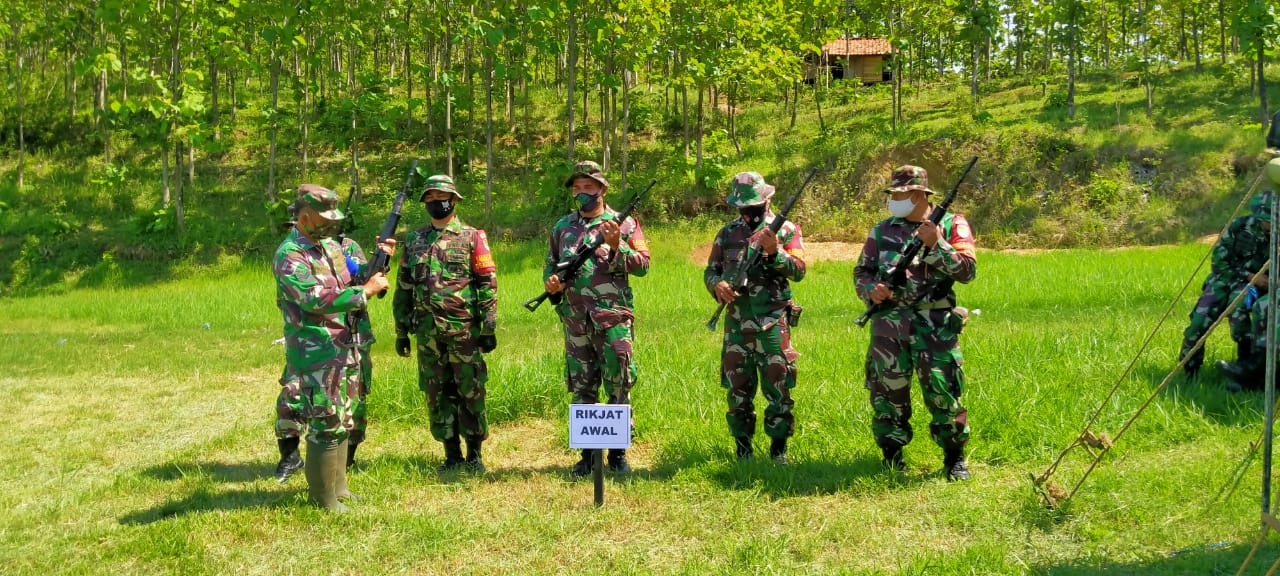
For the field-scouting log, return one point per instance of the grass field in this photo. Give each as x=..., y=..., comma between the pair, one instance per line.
x=141, y=439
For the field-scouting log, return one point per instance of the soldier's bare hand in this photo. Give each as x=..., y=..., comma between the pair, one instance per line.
x=612, y=234
x=1259, y=280
x=388, y=246
x=376, y=285
x=928, y=233
x=553, y=285
x=724, y=292
x=880, y=293
x=768, y=241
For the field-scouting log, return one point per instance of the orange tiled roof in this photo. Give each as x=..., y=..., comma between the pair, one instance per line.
x=857, y=47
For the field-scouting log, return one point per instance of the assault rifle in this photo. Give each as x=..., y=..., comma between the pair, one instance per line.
x=737, y=278
x=567, y=269
x=896, y=276
x=380, y=262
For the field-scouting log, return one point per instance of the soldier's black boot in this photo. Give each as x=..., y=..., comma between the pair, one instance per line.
x=351, y=454
x=954, y=465
x=290, y=460
x=452, y=454
x=743, y=447
x=320, y=471
x=778, y=450
x=583, y=467
x=618, y=461
x=1247, y=374
x=893, y=459
x=473, y=462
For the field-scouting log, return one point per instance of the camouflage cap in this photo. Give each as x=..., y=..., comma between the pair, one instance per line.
x=439, y=182
x=1260, y=206
x=908, y=178
x=320, y=199
x=748, y=189
x=586, y=169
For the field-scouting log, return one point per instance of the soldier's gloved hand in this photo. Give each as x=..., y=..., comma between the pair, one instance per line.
x=487, y=342
x=402, y=346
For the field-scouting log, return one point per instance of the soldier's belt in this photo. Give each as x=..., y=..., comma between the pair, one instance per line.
x=935, y=305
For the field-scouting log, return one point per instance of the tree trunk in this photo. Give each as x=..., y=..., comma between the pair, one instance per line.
x=698, y=162
x=1072, y=48
x=626, y=122
x=213, y=99
x=275, y=124
x=179, y=212
x=570, y=70
x=684, y=97
x=164, y=175
x=22, y=112
x=733, y=126
x=795, y=100
x=1262, y=80
x=488, y=128
x=448, y=94
x=1222, y=32
x=817, y=102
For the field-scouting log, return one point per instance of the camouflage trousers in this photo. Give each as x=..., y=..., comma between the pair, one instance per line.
x=932, y=350
x=327, y=398
x=290, y=421
x=452, y=373
x=755, y=360
x=598, y=354
x=1217, y=294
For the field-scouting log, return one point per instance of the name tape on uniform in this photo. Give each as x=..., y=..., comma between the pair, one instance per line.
x=599, y=426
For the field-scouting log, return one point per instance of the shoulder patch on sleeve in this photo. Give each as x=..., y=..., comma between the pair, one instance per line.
x=481, y=256
x=637, y=241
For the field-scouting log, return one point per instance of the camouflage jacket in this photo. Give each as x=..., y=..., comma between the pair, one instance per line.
x=768, y=282
x=601, y=289
x=1240, y=251
x=447, y=284
x=930, y=280
x=359, y=319
x=313, y=295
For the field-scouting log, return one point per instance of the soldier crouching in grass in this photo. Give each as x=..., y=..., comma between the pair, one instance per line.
x=757, y=338
x=314, y=296
x=447, y=297
x=596, y=307
x=922, y=332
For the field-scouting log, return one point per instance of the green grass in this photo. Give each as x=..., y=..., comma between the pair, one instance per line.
x=141, y=439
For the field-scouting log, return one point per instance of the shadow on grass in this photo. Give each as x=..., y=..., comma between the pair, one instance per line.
x=823, y=474
x=204, y=500
x=1211, y=558
x=219, y=471
x=1207, y=394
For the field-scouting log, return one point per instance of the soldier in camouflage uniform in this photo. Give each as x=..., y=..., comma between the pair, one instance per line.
x=596, y=306
x=314, y=295
x=1238, y=254
x=447, y=297
x=359, y=321
x=289, y=419
x=921, y=332
x=757, y=337
x=1249, y=372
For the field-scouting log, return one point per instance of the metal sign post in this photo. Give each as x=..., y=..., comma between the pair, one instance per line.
x=597, y=427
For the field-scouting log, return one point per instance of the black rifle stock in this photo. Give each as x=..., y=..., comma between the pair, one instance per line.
x=737, y=278
x=567, y=269
x=380, y=262
x=896, y=276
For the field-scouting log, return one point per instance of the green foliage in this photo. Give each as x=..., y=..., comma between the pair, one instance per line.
x=154, y=222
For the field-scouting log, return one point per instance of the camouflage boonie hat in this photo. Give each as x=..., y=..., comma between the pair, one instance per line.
x=748, y=189
x=586, y=169
x=908, y=178
x=439, y=182
x=320, y=199
x=1260, y=206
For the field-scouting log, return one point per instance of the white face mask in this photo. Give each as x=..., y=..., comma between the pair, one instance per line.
x=901, y=208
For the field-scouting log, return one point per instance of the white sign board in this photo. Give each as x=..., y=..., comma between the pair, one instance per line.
x=599, y=426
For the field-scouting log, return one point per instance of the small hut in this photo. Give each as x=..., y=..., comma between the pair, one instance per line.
x=869, y=59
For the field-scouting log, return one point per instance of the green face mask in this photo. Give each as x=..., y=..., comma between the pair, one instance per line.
x=587, y=202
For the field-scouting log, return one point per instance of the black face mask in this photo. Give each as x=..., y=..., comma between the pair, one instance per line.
x=754, y=215
x=440, y=209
